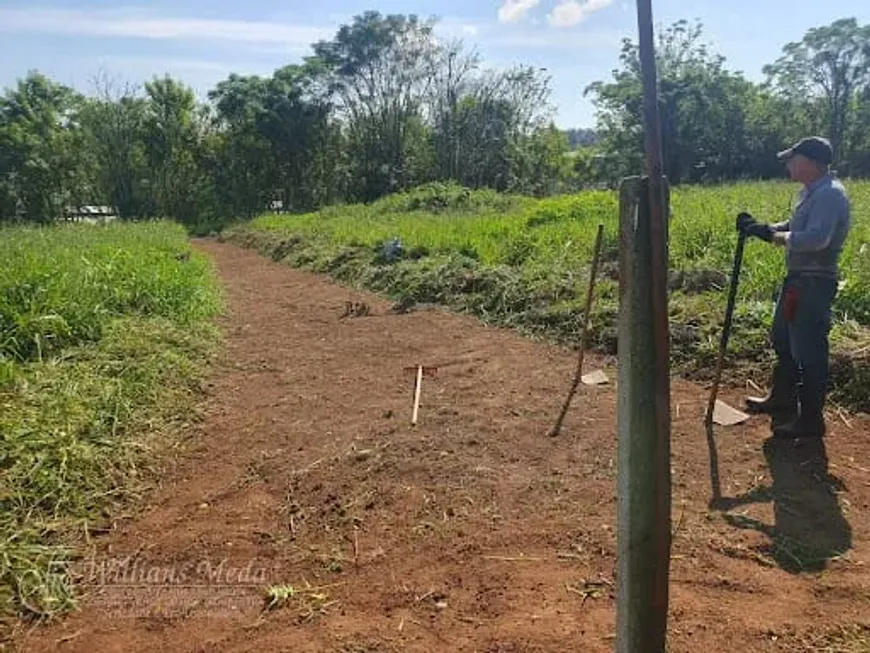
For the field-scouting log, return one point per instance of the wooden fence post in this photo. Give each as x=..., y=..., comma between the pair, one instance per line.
x=644, y=472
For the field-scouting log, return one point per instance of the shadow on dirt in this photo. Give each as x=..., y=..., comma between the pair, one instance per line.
x=810, y=529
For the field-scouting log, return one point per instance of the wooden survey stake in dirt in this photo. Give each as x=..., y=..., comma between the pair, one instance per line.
x=419, y=371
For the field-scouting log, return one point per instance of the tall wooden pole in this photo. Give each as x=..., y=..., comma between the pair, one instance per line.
x=644, y=495
x=654, y=169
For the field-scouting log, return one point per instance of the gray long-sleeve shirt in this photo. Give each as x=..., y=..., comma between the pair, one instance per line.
x=818, y=228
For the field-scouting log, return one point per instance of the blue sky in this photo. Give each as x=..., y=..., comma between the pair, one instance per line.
x=202, y=41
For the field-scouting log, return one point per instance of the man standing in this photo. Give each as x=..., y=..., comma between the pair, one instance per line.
x=813, y=239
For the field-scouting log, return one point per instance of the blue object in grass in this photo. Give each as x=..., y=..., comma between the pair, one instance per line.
x=392, y=250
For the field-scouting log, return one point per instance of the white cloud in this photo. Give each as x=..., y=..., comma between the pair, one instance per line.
x=573, y=12
x=456, y=27
x=512, y=11
x=541, y=40
x=146, y=25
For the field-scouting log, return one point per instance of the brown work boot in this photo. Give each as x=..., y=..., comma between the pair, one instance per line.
x=782, y=399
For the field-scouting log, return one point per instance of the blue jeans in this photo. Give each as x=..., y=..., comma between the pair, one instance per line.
x=801, y=326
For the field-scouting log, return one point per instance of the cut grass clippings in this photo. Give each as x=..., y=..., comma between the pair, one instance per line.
x=85, y=406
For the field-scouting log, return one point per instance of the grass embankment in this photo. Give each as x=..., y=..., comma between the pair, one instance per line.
x=523, y=263
x=103, y=335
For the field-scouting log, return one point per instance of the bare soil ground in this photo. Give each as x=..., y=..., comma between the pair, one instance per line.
x=472, y=531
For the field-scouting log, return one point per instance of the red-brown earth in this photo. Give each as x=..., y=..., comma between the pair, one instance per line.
x=471, y=531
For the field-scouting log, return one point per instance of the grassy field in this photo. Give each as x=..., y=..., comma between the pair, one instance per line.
x=523, y=263
x=103, y=335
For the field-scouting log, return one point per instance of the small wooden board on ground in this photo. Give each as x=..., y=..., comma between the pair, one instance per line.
x=725, y=415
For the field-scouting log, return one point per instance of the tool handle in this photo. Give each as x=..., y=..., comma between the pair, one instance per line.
x=726, y=327
x=596, y=259
x=587, y=314
x=587, y=311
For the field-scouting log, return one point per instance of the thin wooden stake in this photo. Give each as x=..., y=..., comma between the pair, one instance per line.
x=417, y=387
x=578, y=375
x=420, y=371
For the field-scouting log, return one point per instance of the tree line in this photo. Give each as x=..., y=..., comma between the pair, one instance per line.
x=384, y=106
x=717, y=125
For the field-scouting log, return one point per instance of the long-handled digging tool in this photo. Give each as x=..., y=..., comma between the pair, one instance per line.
x=578, y=375
x=718, y=411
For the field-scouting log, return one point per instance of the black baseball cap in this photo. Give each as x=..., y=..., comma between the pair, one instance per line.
x=815, y=148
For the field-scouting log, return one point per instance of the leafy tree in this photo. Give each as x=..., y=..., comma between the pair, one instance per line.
x=296, y=121
x=832, y=62
x=703, y=107
x=581, y=138
x=540, y=165
x=485, y=124
x=243, y=163
x=454, y=79
x=381, y=70
x=384, y=106
x=114, y=121
x=44, y=163
x=170, y=141
x=859, y=135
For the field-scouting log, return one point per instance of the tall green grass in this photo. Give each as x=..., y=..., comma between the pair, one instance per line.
x=62, y=286
x=103, y=334
x=559, y=233
x=522, y=262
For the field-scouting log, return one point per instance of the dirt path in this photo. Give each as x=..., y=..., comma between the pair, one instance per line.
x=472, y=532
